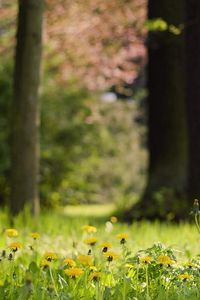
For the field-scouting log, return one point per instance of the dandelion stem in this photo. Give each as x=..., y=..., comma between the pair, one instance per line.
x=147, y=283
x=124, y=283
x=53, y=282
x=98, y=291
x=137, y=278
x=197, y=222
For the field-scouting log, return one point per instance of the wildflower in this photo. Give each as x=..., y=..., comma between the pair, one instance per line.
x=93, y=268
x=90, y=241
x=195, y=209
x=74, y=272
x=111, y=256
x=89, y=228
x=85, y=260
x=164, y=260
x=95, y=276
x=113, y=219
x=49, y=256
x=190, y=265
x=44, y=263
x=35, y=235
x=105, y=246
x=145, y=259
x=123, y=237
x=15, y=246
x=185, y=277
x=69, y=262
x=11, y=232
x=109, y=227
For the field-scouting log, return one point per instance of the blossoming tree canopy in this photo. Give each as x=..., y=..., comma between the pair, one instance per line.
x=100, y=43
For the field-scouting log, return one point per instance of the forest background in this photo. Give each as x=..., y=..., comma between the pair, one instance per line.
x=94, y=146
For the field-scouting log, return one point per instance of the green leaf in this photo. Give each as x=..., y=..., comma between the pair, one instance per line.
x=33, y=267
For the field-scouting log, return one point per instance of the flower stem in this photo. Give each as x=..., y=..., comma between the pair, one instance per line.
x=53, y=282
x=197, y=222
x=147, y=283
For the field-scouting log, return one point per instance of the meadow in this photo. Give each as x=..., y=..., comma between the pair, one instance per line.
x=86, y=253
x=99, y=125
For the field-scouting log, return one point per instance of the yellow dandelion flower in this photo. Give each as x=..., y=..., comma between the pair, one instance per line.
x=93, y=268
x=85, y=260
x=15, y=246
x=190, y=265
x=145, y=259
x=74, y=272
x=44, y=263
x=69, y=262
x=95, y=276
x=111, y=255
x=49, y=256
x=122, y=237
x=89, y=228
x=35, y=235
x=105, y=246
x=164, y=260
x=11, y=232
x=90, y=241
x=185, y=277
x=113, y=219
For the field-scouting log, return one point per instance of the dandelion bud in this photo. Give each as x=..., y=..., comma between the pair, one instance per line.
x=10, y=256
x=196, y=206
x=3, y=254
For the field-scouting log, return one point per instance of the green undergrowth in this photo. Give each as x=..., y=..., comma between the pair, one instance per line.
x=83, y=253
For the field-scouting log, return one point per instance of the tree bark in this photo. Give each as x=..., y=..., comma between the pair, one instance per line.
x=193, y=94
x=167, y=134
x=25, y=116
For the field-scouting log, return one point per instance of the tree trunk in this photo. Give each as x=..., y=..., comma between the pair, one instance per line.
x=25, y=117
x=193, y=94
x=167, y=137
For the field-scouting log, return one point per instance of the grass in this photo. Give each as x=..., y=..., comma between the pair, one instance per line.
x=93, y=210
x=31, y=274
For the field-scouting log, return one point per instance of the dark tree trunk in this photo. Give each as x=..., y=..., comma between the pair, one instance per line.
x=25, y=117
x=167, y=137
x=193, y=94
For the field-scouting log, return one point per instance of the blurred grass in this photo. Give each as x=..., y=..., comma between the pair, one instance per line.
x=89, y=211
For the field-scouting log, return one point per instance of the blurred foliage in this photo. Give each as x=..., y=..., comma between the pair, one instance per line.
x=111, y=35
x=156, y=24
x=161, y=25
x=90, y=151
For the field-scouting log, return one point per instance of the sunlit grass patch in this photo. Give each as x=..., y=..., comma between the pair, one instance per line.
x=93, y=210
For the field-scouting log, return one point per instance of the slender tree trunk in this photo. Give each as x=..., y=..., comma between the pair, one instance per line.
x=167, y=136
x=25, y=117
x=193, y=94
